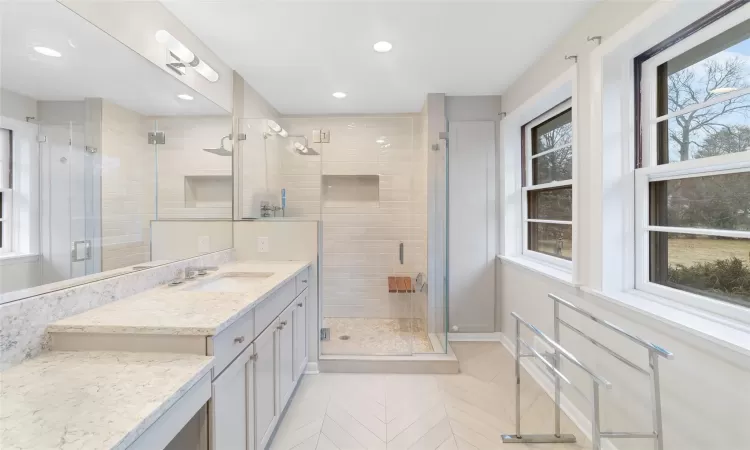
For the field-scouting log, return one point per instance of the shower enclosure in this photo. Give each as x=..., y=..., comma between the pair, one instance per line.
x=369, y=181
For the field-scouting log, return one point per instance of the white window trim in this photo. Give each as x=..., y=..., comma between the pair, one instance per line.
x=511, y=244
x=24, y=207
x=652, y=171
x=7, y=219
x=559, y=263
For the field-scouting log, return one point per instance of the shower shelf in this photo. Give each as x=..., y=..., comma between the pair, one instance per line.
x=350, y=190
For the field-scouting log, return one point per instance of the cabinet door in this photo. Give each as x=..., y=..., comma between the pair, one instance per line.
x=286, y=354
x=250, y=400
x=300, y=335
x=266, y=373
x=229, y=406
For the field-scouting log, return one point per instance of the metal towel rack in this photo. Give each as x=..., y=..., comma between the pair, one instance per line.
x=654, y=353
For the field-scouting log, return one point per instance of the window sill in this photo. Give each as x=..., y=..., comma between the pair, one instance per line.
x=729, y=334
x=547, y=270
x=17, y=258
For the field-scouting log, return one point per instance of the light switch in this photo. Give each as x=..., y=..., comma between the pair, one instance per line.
x=204, y=244
x=262, y=245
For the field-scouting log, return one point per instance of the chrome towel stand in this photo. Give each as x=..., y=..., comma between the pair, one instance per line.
x=654, y=353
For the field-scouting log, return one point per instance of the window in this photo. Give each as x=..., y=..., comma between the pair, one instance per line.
x=547, y=167
x=693, y=179
x=6, y=193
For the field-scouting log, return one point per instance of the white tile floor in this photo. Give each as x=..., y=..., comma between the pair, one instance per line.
x=421, y=412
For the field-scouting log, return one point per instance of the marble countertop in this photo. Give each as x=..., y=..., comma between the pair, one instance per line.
x=91, y=400
x=179, y=311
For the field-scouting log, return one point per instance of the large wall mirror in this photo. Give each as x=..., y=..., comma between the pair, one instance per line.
x=108, y=164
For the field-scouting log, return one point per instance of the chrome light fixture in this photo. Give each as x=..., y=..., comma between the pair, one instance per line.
x=185, y=57
x=276, y=128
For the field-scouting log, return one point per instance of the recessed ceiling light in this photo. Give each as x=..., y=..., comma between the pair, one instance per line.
x=339, y=94
x=185, y=97
x=47, y=52
x=382, y=47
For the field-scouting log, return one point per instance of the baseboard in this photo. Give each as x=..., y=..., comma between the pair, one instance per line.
x=312, y=368
x=475, y=337
x=577, y=416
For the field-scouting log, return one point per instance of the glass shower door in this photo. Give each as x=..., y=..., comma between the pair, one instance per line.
x=369, y=245
x=70, y=219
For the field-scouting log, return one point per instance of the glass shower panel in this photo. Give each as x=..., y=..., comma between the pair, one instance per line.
x=369, y=239
x=70, y=233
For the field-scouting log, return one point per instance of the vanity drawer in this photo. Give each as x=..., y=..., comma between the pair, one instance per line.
x=302, y=280
x=226, y=345
x=271, y=307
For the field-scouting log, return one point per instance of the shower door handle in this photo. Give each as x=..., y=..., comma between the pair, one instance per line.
x=401, y=253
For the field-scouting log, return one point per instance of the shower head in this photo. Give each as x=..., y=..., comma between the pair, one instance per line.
x=221, y=151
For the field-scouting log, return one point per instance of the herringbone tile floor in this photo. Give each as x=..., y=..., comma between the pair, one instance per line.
x=422, y=412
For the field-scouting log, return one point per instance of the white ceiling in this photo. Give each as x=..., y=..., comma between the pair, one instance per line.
x=297, y=53
x=93, y=64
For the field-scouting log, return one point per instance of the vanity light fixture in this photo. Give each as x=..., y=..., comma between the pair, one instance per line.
x=339, y=95
x=185, y=97
x=382, y=47
x=276, y=128
x=46, y=51
x=186, y=56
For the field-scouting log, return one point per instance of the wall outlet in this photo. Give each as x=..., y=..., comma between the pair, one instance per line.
x=204, y=244
x=262, y=245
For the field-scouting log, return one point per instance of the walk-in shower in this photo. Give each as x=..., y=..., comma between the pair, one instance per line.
x=365, y=179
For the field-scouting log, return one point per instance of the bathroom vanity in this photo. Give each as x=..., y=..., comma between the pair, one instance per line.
x=251, y=318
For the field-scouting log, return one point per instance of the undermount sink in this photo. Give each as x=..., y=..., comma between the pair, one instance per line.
x=230, y=282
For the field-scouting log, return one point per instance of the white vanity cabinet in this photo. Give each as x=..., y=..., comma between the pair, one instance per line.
x=266, y=386
x=229, y=409
x=300, y=335
x=286, y=353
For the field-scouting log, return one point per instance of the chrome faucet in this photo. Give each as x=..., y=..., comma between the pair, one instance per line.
x=191, y=272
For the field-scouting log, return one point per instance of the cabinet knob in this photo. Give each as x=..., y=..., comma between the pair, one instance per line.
x=300, y=305
x=304, y=281
x=283, y=323
x=239, y=340
x=254, y=357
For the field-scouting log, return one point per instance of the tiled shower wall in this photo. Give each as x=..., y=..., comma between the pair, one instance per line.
x=361, y=240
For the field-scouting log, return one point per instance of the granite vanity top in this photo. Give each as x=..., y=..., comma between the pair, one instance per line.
x=91, y=400
x=178, y=311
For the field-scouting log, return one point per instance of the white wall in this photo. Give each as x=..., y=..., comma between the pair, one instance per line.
x=287, y=241
x=707, y=385
x=17, y=106
x=180, y=239
x=473, y=122
x=16, y=275
x=471, y=229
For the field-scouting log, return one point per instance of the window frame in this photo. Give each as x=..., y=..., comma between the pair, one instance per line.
x=6, y=213
x=527, y=185
x=648, y=169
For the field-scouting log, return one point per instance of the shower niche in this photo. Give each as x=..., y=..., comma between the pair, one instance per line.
x=208, y=191
x=350, y=190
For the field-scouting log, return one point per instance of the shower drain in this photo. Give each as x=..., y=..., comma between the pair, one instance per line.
x=344, y=337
